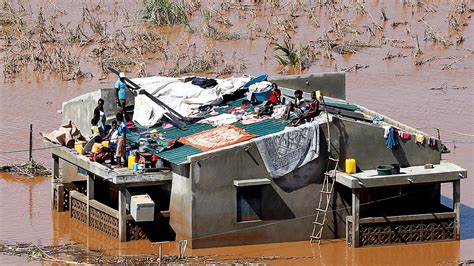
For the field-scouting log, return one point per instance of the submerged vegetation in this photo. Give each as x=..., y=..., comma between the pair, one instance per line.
x=164, y=12
x=287, y=54
x=41, y=41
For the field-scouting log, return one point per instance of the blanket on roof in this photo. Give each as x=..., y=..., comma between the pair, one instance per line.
x=287, y=150
x=216, y=138
x=183, y=97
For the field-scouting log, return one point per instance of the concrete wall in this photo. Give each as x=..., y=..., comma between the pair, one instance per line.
x=70, y=173
x=365, y=143
x=181, y=201
x=80, y=110
x=209, y=218
x=288, y=203
x=331, y=84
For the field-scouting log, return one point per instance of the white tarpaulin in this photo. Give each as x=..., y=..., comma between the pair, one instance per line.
x=287, y=150
x=183, y=97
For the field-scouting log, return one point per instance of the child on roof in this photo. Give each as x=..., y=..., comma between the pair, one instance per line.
x=274, y=99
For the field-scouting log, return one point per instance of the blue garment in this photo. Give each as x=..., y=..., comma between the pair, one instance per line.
x=121, y=128
x=121, y=88
x=391, y=141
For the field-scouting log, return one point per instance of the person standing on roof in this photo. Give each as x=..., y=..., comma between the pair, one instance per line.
x=122, y=132
x=121, y=92
x=99, y=116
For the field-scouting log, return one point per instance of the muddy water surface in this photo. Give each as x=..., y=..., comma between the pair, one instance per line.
x=396, y=88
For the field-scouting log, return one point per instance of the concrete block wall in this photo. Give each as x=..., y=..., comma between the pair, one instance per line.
x=80, y=110
x=366, y=143
x=288, y=203
x=181, y=202
x=331, y=84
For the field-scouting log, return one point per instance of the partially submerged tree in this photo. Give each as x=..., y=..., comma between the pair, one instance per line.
x=290, y=55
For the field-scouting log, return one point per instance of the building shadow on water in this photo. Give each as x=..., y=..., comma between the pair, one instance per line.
x=467, y=216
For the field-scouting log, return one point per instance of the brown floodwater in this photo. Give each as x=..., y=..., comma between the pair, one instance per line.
x=397, y=88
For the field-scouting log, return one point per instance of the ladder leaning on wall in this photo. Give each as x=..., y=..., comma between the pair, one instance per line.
x=325, y=196
x=327, y=188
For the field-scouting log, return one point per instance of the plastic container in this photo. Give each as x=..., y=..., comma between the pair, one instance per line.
x=105, y=143
x=255, y=80
x=395, y=168
x=131, y=161
x=135, y=166
x=96, y=148
x=159, y=163
x=262, y=96
x=351, y=166
x=79, y=146
x=384, y=169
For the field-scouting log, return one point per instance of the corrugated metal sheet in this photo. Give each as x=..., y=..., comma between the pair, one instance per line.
x=179, y=153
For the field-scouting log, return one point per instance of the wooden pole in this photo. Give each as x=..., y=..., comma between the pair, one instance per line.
x=30, y=157
x=161, y=252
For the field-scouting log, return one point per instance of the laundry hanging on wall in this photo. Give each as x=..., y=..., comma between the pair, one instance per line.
x=287, y=150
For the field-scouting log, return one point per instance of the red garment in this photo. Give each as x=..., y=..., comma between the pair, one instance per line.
x=275, y=97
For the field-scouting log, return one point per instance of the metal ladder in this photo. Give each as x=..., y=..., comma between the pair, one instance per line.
x=325, y=192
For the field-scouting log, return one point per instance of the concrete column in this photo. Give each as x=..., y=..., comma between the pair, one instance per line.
x=355, y=217
x=122, y=212
x=457, y=207
x=90, y=193
x=55, y=176
x=60, y=197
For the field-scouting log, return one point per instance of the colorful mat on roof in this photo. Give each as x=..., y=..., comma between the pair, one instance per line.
x=216, y=138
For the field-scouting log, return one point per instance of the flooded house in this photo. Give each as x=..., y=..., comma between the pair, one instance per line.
x=349, y=173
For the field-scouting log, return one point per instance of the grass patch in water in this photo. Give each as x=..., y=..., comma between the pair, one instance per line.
x=164, y=12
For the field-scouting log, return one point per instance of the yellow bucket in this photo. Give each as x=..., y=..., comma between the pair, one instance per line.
x=96, y=148
x=351, y=166
x=79, y=146
x=105, y=143
x=131, y=161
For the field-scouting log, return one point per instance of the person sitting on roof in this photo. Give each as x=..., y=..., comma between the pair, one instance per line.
x=99, y=153
x=295, y=106
x=121, y=93
x=310, y=111
x=273, y=100
x=122, y=132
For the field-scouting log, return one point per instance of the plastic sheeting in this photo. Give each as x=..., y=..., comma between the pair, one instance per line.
x=66, y=135
x=184, y=98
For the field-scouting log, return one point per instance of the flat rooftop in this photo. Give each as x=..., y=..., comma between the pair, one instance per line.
x=443, y=172
x=178, y=154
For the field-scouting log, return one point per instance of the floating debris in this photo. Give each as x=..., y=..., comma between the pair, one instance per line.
x=76, y=254
x=31, y=169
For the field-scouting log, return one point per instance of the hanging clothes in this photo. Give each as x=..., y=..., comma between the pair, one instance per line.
x=432, y=142
x=386, y=130
x=391, y=141
x=420, y=138
x=405, y=136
